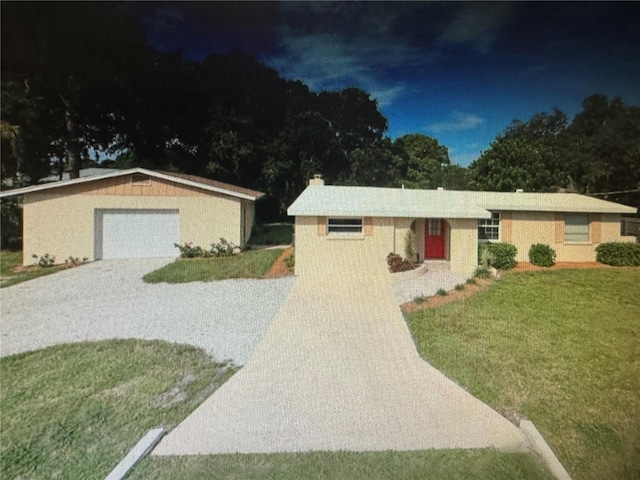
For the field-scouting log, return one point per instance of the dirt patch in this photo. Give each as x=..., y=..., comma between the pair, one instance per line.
x=452, y=296
x=279, y=268
x=177, y=394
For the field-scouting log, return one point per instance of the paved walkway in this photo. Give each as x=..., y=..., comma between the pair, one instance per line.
x=338, y=370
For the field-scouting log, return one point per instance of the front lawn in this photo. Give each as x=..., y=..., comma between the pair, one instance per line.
x=250, y=264
x=272, y=234
x=10, y=260
x=74, y=411
x=560, y=348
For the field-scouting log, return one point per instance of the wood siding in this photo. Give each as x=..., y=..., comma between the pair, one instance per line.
x=559, y=227
x=322, y=226
x=595, y=227
x=367, y=226
x=122, y=186
x=506, y=226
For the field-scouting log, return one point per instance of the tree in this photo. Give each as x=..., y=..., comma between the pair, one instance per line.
x=528, y=155
x=420, y=162
x=602, y=148
x=77, y=58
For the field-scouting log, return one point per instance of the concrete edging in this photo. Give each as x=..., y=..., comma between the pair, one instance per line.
x=540, y=446
x=140, y=450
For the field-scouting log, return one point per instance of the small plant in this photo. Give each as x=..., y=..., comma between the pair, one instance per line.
x=222, y=249
x=442, y=292
x=482, y=272
x=189, y=250
x=619, y=254
x=486, y=257
x=410, y=251
x=503, y=255
x=420, y=299
x=398, y=264
x=290, y=261
x=471, y=281
x=76, y=261
x=460, y=287
x=44, y=261
x=542, y=255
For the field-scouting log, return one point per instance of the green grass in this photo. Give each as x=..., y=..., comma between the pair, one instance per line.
x=432, y=465
x=11, y=259
x=74, y=411
x=561, y=348
x=272, y=234
x=250, y=264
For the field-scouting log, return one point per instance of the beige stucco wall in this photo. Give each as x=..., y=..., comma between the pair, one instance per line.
x=62, y=224
x=463, y=245
x=341, y=254
x=528, y=228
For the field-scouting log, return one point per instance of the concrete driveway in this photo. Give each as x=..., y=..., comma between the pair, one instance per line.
x=108, y=299
x=338, y=370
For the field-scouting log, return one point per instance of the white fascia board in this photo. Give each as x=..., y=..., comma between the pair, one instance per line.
x=122, y=173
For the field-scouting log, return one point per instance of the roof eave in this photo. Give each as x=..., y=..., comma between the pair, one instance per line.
x=122, y=173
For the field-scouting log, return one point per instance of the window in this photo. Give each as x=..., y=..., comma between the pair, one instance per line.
x=576, y=228
x=344, y=225
x=489, y=228
x=434, y=227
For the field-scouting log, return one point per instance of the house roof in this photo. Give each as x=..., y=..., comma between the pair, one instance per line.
x=321, y=200
x=188, y=180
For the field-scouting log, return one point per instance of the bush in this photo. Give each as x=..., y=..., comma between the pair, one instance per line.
x=222, y=249
x=410, y=251
x=501, y=255
x=542, y=255
x=482, y=272
x=619, y=254
x=398, y=264
x=442, y=292
x=44, y=261
x=290, y=261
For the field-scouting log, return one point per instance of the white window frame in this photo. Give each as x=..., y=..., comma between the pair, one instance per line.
x=345, y=226
x=491, y=224
x=576, y=230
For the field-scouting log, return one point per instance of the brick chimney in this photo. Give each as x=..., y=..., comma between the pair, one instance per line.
x=316, y=180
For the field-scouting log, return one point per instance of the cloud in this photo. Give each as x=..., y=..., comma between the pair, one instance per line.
x=478, y=24
x=459, y=121
x=326, y=61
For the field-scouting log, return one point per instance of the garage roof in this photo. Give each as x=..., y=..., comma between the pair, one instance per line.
x=183, y=179
x=321, y=200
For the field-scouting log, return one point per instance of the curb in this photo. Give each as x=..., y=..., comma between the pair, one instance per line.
x=540, y=446
x=141, y=449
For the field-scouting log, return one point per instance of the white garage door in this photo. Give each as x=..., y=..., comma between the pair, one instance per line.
x=137, y=233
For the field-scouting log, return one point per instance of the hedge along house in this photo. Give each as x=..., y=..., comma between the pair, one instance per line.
x=133, y=213
x=338, y=228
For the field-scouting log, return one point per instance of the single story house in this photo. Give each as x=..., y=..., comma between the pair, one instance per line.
x=132, y=213
x=357, y=227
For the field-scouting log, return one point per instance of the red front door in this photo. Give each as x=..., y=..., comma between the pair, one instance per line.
x=434, y=238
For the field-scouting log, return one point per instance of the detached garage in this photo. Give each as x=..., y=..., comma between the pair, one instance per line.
x=134, y=213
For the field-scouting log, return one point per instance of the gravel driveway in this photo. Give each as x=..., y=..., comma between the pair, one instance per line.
x=108, y=299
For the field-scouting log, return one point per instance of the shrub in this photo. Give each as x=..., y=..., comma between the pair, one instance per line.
x=471, y=281
x=222, y=249
x=542, y=255
x=442, y=292
x=44, y=261
x=460, y=287
x=420, y=299
x=76, y=261
x=619, y=254
x=482, y=272
x=502, y=255
x=410, y=251
x=398, y=264
x=290, y=261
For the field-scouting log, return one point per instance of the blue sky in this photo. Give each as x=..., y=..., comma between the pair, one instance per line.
x=459, y=72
